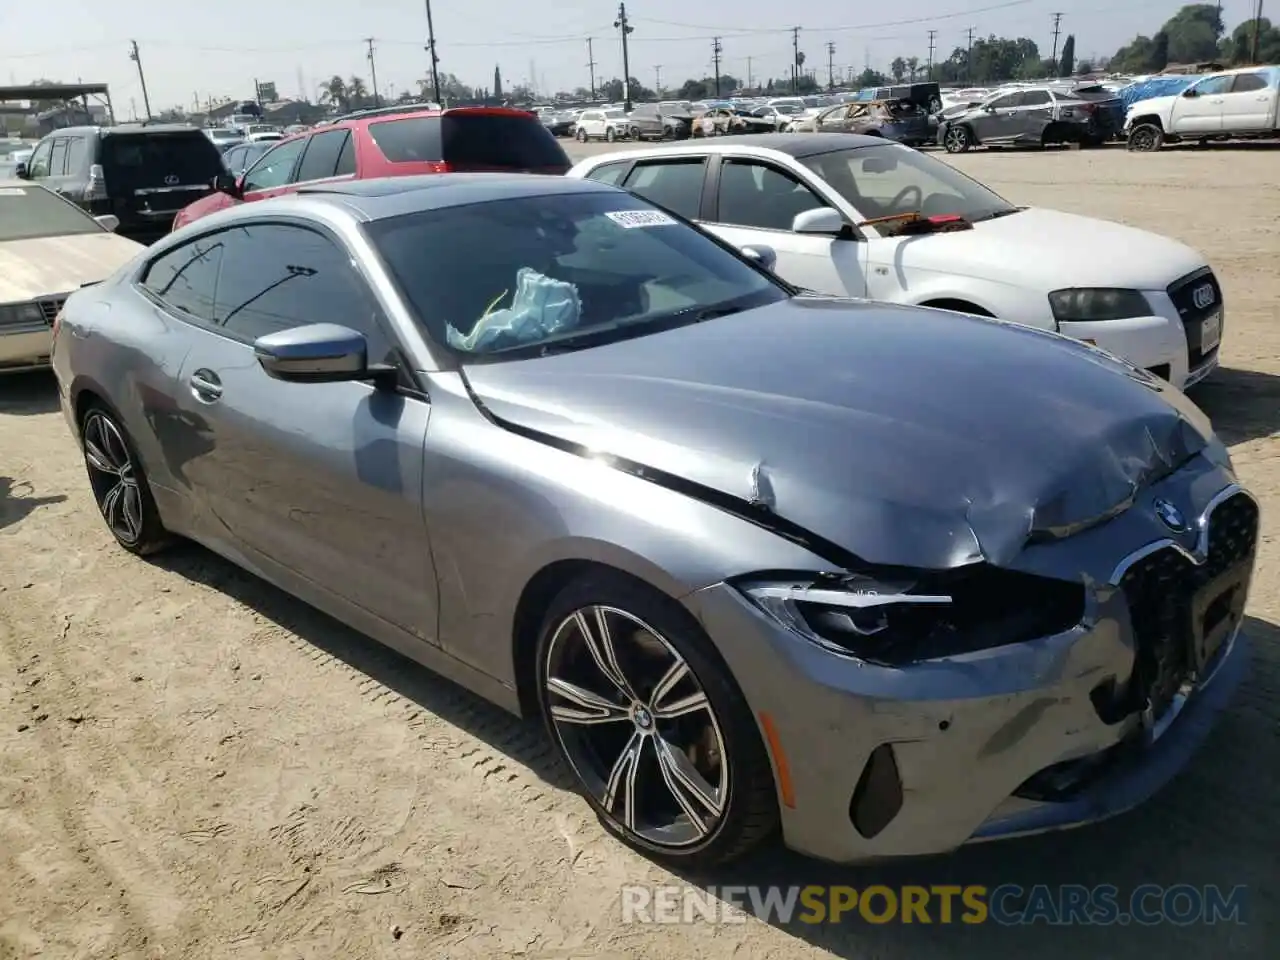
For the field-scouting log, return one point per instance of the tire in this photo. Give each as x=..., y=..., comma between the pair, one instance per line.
x=610, y=134
x=597, y=735
x=1145, y=138
x=957, y=139
x=580, y=135
x=119, y=485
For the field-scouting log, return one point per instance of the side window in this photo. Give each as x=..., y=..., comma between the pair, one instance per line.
x=184, y=278
x=1003, y=103
x=276, y=276
x=1248, y=82
x=321, y=156
x=347, y=158
x=1036, y=98
x=38, y=166
x=609, y=172
x=231, y=159
x=675, y=185
x=756, y=195
x=58, y=160
x=1214, y=86
x=77, y=148
x=275, y=168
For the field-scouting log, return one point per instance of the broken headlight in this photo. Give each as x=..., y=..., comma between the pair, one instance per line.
x=910, y=617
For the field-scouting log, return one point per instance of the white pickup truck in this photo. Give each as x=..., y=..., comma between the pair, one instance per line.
x=1236, y=104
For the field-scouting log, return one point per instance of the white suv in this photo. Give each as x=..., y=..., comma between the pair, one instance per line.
x=608, y=125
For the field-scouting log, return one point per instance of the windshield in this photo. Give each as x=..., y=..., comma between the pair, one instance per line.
x=28, y=212
x=890, y=179
x=613, y=114
x=560, y=271
x=786, y=108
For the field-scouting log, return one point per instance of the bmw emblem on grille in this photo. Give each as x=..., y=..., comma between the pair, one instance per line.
x=1170, y=515
x=1202, y=296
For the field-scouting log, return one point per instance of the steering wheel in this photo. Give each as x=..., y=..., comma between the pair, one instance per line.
x=899, y=202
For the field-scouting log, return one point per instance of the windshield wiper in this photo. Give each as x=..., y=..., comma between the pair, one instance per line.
x=994, y=215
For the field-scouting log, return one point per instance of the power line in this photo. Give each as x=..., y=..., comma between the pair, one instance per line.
x=142, y=77
x=1057, y=28
x=591, y=65
x=373, y=71
x=716, y=50
x=625, y=29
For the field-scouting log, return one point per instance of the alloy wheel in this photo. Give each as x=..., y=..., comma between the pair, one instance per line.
x=637, y=727
x=956, y=140
x=113, y=477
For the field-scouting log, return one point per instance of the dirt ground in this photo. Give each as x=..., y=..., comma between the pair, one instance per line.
x=194, y=765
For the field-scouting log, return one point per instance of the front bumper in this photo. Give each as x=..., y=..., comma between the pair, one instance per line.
x=967, y=736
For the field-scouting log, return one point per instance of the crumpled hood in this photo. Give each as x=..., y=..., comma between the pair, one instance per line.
x=903, y=436
x=54, y=266
x=1054, y=250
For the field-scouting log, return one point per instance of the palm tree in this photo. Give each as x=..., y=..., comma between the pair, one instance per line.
x=898, y=68
x=334, y=91
x=357, y=92
x=913, y=67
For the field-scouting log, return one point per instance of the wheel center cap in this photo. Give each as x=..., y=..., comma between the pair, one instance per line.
x=643, y=719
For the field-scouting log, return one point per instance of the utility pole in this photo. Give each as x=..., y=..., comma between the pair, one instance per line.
x=933, y=41
x=750, y=84
x=831, y=65
x=657, y=80
x=968, y=67
x=795, y=59
x=625, y=28
x=1257, y=31
x=257, y=93
x=435, y=60
x=1057, y=28
x=716, y=50
x=373, y=70
x=142, y=77
x=591, y=64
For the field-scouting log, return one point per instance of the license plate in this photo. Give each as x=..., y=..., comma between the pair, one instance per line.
x=1210, y=332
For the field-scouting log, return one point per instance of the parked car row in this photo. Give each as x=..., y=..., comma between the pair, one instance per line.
x=599, y=464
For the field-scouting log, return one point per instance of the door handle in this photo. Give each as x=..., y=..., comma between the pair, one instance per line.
x=205, y=385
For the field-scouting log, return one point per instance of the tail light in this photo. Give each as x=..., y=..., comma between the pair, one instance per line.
x=96, y=189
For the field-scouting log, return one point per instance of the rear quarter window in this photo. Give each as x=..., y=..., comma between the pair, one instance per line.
x=481, y=140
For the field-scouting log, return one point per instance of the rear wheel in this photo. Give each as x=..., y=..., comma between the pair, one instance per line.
x=654, y=728
x=119, y=485
x=957, y=139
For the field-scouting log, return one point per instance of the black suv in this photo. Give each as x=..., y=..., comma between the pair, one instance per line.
x=141, y=173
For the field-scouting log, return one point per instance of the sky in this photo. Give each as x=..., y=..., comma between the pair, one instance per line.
x=194, y=49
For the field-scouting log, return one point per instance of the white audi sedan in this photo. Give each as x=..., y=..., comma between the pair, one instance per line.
x=49, y=248
x=857, y=216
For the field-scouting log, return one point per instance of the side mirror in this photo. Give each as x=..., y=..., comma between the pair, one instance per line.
x=1191, y=92
x=20, y=170
x=762, y=256
x=108, y=222
x=988, y=108
x=231, y=186
x=827, y=221
x=316, y=353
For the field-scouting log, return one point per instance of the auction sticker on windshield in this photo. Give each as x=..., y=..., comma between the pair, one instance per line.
x=640, y=218
x=1210, y=332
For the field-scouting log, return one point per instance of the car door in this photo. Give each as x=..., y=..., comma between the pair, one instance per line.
x=321, y=156
x=323, y=480
x=994, y=120
x=1032, y=116
x=273, y=174
x=1199, y=109
x=1250, y=105
x=674, y=183
x=57, y=179
x=38, y=165
x=756, y=201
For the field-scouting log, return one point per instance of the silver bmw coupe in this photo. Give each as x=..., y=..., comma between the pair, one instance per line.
x=887, y=579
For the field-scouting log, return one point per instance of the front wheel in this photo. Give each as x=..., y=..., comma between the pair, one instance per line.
x=119, y=485
x=654, y=728
x=610, y=135
x=957, y=139
x=581, y=135
x=1146, y=138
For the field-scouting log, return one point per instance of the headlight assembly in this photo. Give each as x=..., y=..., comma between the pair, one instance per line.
x=1097, y=303
x=906, y=618
x=20, y=314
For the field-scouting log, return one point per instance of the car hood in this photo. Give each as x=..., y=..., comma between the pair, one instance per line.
x=1053, y=250
x=1156, y=105
x=56, y=266
x=902, y=436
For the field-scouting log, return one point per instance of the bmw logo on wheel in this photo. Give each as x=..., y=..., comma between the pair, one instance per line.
x=1170, y=515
